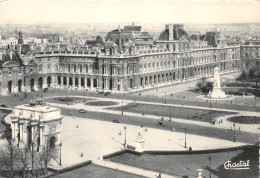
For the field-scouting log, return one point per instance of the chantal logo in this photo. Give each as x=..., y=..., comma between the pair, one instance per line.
x=237, y=165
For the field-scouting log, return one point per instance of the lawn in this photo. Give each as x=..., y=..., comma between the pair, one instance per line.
x=68, y=100
x=170, y=111
x=101, y=103
x=182, y=165
x=95, y=171
x=245, y=119
x=176, y=98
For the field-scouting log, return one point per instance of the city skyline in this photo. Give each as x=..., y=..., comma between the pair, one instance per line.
x=104, y=11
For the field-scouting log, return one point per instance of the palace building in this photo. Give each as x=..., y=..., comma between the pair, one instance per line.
x=126, y=60
x=250, y=54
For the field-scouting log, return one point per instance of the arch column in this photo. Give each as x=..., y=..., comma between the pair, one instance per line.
x=44, y=82
x=54, y=81
x=61, y=81
x=85, y=83
x=68, y=81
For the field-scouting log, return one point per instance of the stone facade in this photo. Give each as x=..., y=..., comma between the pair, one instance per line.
x=36, y=125
x=250, y=54
x=125, y=65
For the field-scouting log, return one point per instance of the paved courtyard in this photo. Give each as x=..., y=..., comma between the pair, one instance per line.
x=97, y=138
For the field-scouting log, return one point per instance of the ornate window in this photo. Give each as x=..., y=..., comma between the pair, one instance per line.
x=49, y=67
x=40, y=68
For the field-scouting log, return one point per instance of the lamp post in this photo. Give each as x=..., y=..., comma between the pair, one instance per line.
x=234, y=132
x=165, y=98
x=122, y=108
x=209, y=101
x=209, y=166
x=185, y=130
x=125, y=138
x=60, y=151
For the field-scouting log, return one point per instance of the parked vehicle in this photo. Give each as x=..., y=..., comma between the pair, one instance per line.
x=115, y=121
x=3, y=105
x=107, y=93
x=160, y=124
x=82, y=111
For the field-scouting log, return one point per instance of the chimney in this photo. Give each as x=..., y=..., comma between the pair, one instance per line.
x=170, y=26
x=11, y=55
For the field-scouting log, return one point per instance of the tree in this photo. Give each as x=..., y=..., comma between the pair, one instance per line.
x=23, y=158
x=242, y=76
x=47, y=154
x=203, y=86
x=257, y=77
x=251, y=74
x=9, y=155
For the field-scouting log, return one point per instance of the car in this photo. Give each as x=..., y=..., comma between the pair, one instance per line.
x=115, y=121
x=107, y=93
x=160, y=124
x=82, y=111
x=3, y=105
x=45, y=89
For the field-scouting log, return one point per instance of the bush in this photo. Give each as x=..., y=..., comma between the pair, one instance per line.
x=242, y=76
x=204, y=87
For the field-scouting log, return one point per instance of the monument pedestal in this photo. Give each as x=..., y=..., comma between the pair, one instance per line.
x=139, y=145
x=217, y=93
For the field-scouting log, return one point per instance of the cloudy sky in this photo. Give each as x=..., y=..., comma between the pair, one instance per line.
x=116, y=11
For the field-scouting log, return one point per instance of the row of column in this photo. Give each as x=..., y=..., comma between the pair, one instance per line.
x=79, y=82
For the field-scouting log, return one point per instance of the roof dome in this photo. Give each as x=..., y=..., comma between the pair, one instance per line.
x=119, y=37
x=177, y=33
x=117, y=34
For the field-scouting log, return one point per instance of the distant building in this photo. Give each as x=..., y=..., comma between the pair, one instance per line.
x=20, y=39
x=250, y=54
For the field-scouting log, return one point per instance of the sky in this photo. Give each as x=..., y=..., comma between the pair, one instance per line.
x=125, y=11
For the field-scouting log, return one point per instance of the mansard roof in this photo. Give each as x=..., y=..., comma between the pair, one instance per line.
x=98, y=41
x=6, y=57
x=197, y=37
x=177, y=34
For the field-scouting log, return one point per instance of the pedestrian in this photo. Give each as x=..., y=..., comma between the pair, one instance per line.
x=159, y=176
x=239, y=129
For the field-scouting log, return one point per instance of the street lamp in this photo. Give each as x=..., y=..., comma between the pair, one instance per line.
x=122, y=108
x=165, y=98
x=234, y=132
x=60, y=151
x=210, y=166
x=125, y=138
x=185, y=130
x=209, y=101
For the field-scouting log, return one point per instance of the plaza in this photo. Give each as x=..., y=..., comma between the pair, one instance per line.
x=92, y=134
